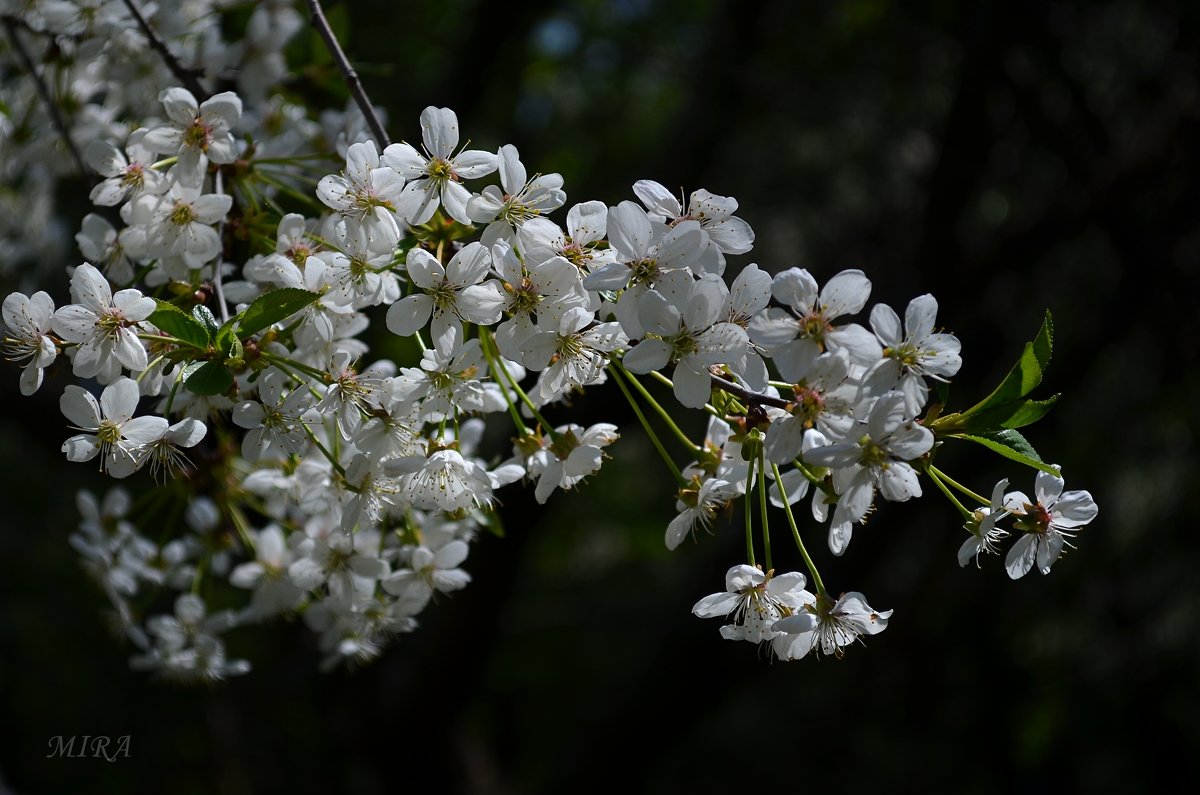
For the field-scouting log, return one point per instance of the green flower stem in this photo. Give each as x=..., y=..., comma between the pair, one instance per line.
x=289, y=190
x=299, y=379
x=149, y=367
x=820, y=482
x=663, y=413
x=658, y=445
x=486, y=345
x=296, y=158
x=762, y=507
x=172, y=340
x=255, y=197
x=174, y=389
x=498, y=363
x=201, y=570
x=808, y=561
x=293, y=364
x=749, y=517
x=242, y=187
x=806, y=472
x=932, y=470
x=325, y=452
x=241, y=525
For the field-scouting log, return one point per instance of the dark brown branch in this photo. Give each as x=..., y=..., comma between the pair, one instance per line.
x=746, y=396
x=51, y=106
x=188, y=77
x=348, y=74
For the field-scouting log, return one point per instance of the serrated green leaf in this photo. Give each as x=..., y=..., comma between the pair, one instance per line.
x=227, y=340
x=205, y=318
x=273, y=307
x=1015, y=414
x=1012, y=445
x=190, y=368
x=210, y=378
x=179, y=324
x=1030, y=412
x=235, y=350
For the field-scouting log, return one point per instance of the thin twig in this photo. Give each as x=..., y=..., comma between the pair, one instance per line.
x=746, y=396
x=219, y=187
x=182, y=73
x=348, y=74
x=51, y=106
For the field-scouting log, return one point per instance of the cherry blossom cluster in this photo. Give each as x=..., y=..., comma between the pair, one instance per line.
x=217, y=332
x=97, y=62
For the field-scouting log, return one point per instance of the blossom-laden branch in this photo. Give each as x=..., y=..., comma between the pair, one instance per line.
x=352, y=491
x=317, y=16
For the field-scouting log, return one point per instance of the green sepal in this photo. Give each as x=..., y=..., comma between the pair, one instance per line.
x=272, y=307
x=179, y=324
x=1010, y=444
x=210, y=378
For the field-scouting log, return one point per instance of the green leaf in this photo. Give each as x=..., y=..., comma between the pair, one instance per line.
x=1030, y=412
x=178, y=323
x=1015, y=414
x=272, y=307
x=210, y=378
x=228, y=343
x=1025, y=375
x=493, y=524
x=1012, y=445
x=205, y=318
x=942, y=390
x=1007, y=407
x=190, y=368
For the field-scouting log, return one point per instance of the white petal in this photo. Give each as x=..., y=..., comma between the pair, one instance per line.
x=82, y=447
x=439, y=131
x=80, y=407
x=1020, y=557
x=410, y=314
x=119, y=399
x=845, y=294
x=920, y=317
x=716, y=605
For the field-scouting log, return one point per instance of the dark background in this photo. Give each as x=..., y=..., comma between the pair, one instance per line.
x=1007, y=157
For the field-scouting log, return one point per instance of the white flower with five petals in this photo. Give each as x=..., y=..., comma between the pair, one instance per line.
x=1047, y=521
x=436, y=177
x=102, y=325
x=109, y=427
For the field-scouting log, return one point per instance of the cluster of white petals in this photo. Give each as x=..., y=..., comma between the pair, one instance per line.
x=232, y=286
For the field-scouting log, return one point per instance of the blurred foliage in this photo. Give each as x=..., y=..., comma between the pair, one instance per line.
x=1006, y=156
